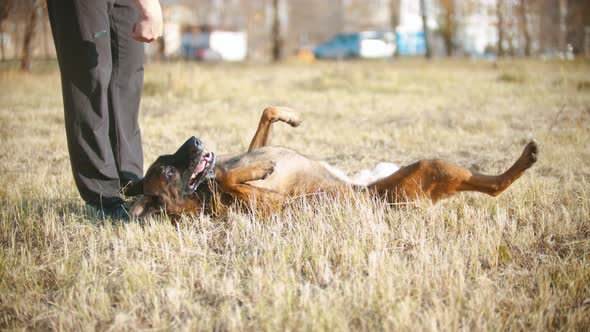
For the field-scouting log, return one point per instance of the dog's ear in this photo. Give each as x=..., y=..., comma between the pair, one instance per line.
x=144, y=206
x=133, y=189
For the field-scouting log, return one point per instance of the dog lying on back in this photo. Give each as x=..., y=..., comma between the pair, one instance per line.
x=194, y=180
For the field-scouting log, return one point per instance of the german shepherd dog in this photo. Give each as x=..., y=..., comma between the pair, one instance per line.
x=194, y=181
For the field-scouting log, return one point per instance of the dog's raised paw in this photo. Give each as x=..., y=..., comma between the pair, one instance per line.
x=285, y=114
x=293, y=120
x=530, y=154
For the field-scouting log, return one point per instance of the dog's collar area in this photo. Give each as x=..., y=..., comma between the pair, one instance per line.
x=210, y=175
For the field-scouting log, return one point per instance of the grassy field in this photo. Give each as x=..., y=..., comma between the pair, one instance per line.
x=520, y=261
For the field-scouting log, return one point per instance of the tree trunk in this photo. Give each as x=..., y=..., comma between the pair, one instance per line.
x=511, y=49
x=2, y=42
x=428, y=53
x=563, y=25
x=31, y=27
x=394, y=10
x=449, y=27
x=525, y=28
x=500, y=27
x=277, y=41
x=5, y=9
x=44, y=22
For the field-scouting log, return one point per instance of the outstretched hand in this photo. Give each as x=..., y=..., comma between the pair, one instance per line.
x=149, y=25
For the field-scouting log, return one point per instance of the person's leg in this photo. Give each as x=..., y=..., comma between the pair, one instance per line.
x=125, y=92
x=81, y=32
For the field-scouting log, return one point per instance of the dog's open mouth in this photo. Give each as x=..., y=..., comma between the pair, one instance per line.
x=205, y=165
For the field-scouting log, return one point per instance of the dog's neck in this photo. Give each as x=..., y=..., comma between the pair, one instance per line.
x=208, y=199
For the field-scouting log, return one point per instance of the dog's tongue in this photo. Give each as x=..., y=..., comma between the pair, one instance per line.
x=200, y=166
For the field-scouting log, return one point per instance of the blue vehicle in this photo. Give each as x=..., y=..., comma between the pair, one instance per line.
x=410, y=43
x=366, y=44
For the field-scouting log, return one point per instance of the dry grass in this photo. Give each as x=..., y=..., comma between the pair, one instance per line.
x=516, y=262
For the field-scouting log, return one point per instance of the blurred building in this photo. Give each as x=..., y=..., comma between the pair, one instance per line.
x=303, y=22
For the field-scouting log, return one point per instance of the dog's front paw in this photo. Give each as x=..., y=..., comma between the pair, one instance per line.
x=293, y=119
x=284, y=114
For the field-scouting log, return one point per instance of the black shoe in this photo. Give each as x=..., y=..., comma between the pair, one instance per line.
x=113, y=213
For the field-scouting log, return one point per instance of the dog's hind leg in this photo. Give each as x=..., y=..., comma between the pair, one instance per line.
x=437, y=179
x=269, y=116
x=494, y=185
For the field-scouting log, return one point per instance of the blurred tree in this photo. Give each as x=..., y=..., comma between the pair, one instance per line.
x=394, y=11
x=500, y=15
x=277, y=39
x=5, y=9
x=578, y=25
x=524, y=26
x=548, y=25
x=311, y=22
x=32, y=9
x=448, y=25
x=562, y=25
x=423, y=10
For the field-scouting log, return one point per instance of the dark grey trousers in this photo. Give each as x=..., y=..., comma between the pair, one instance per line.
x=102, y=77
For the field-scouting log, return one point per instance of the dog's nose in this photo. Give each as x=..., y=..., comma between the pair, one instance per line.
x=198, y=143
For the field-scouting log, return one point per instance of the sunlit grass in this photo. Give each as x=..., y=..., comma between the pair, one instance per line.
x=519, y=261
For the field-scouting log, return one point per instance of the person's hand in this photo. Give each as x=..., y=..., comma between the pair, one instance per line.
x=149, y=25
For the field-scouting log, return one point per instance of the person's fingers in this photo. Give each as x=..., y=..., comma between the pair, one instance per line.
x=139, y=37
x=143, y=33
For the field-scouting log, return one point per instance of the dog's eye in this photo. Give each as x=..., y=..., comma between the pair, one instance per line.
x=168, y=172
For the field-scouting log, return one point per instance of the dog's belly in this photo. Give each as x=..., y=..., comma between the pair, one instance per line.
x=294, y=174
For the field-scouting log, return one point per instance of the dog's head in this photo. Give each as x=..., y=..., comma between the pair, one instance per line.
x=172, y=179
